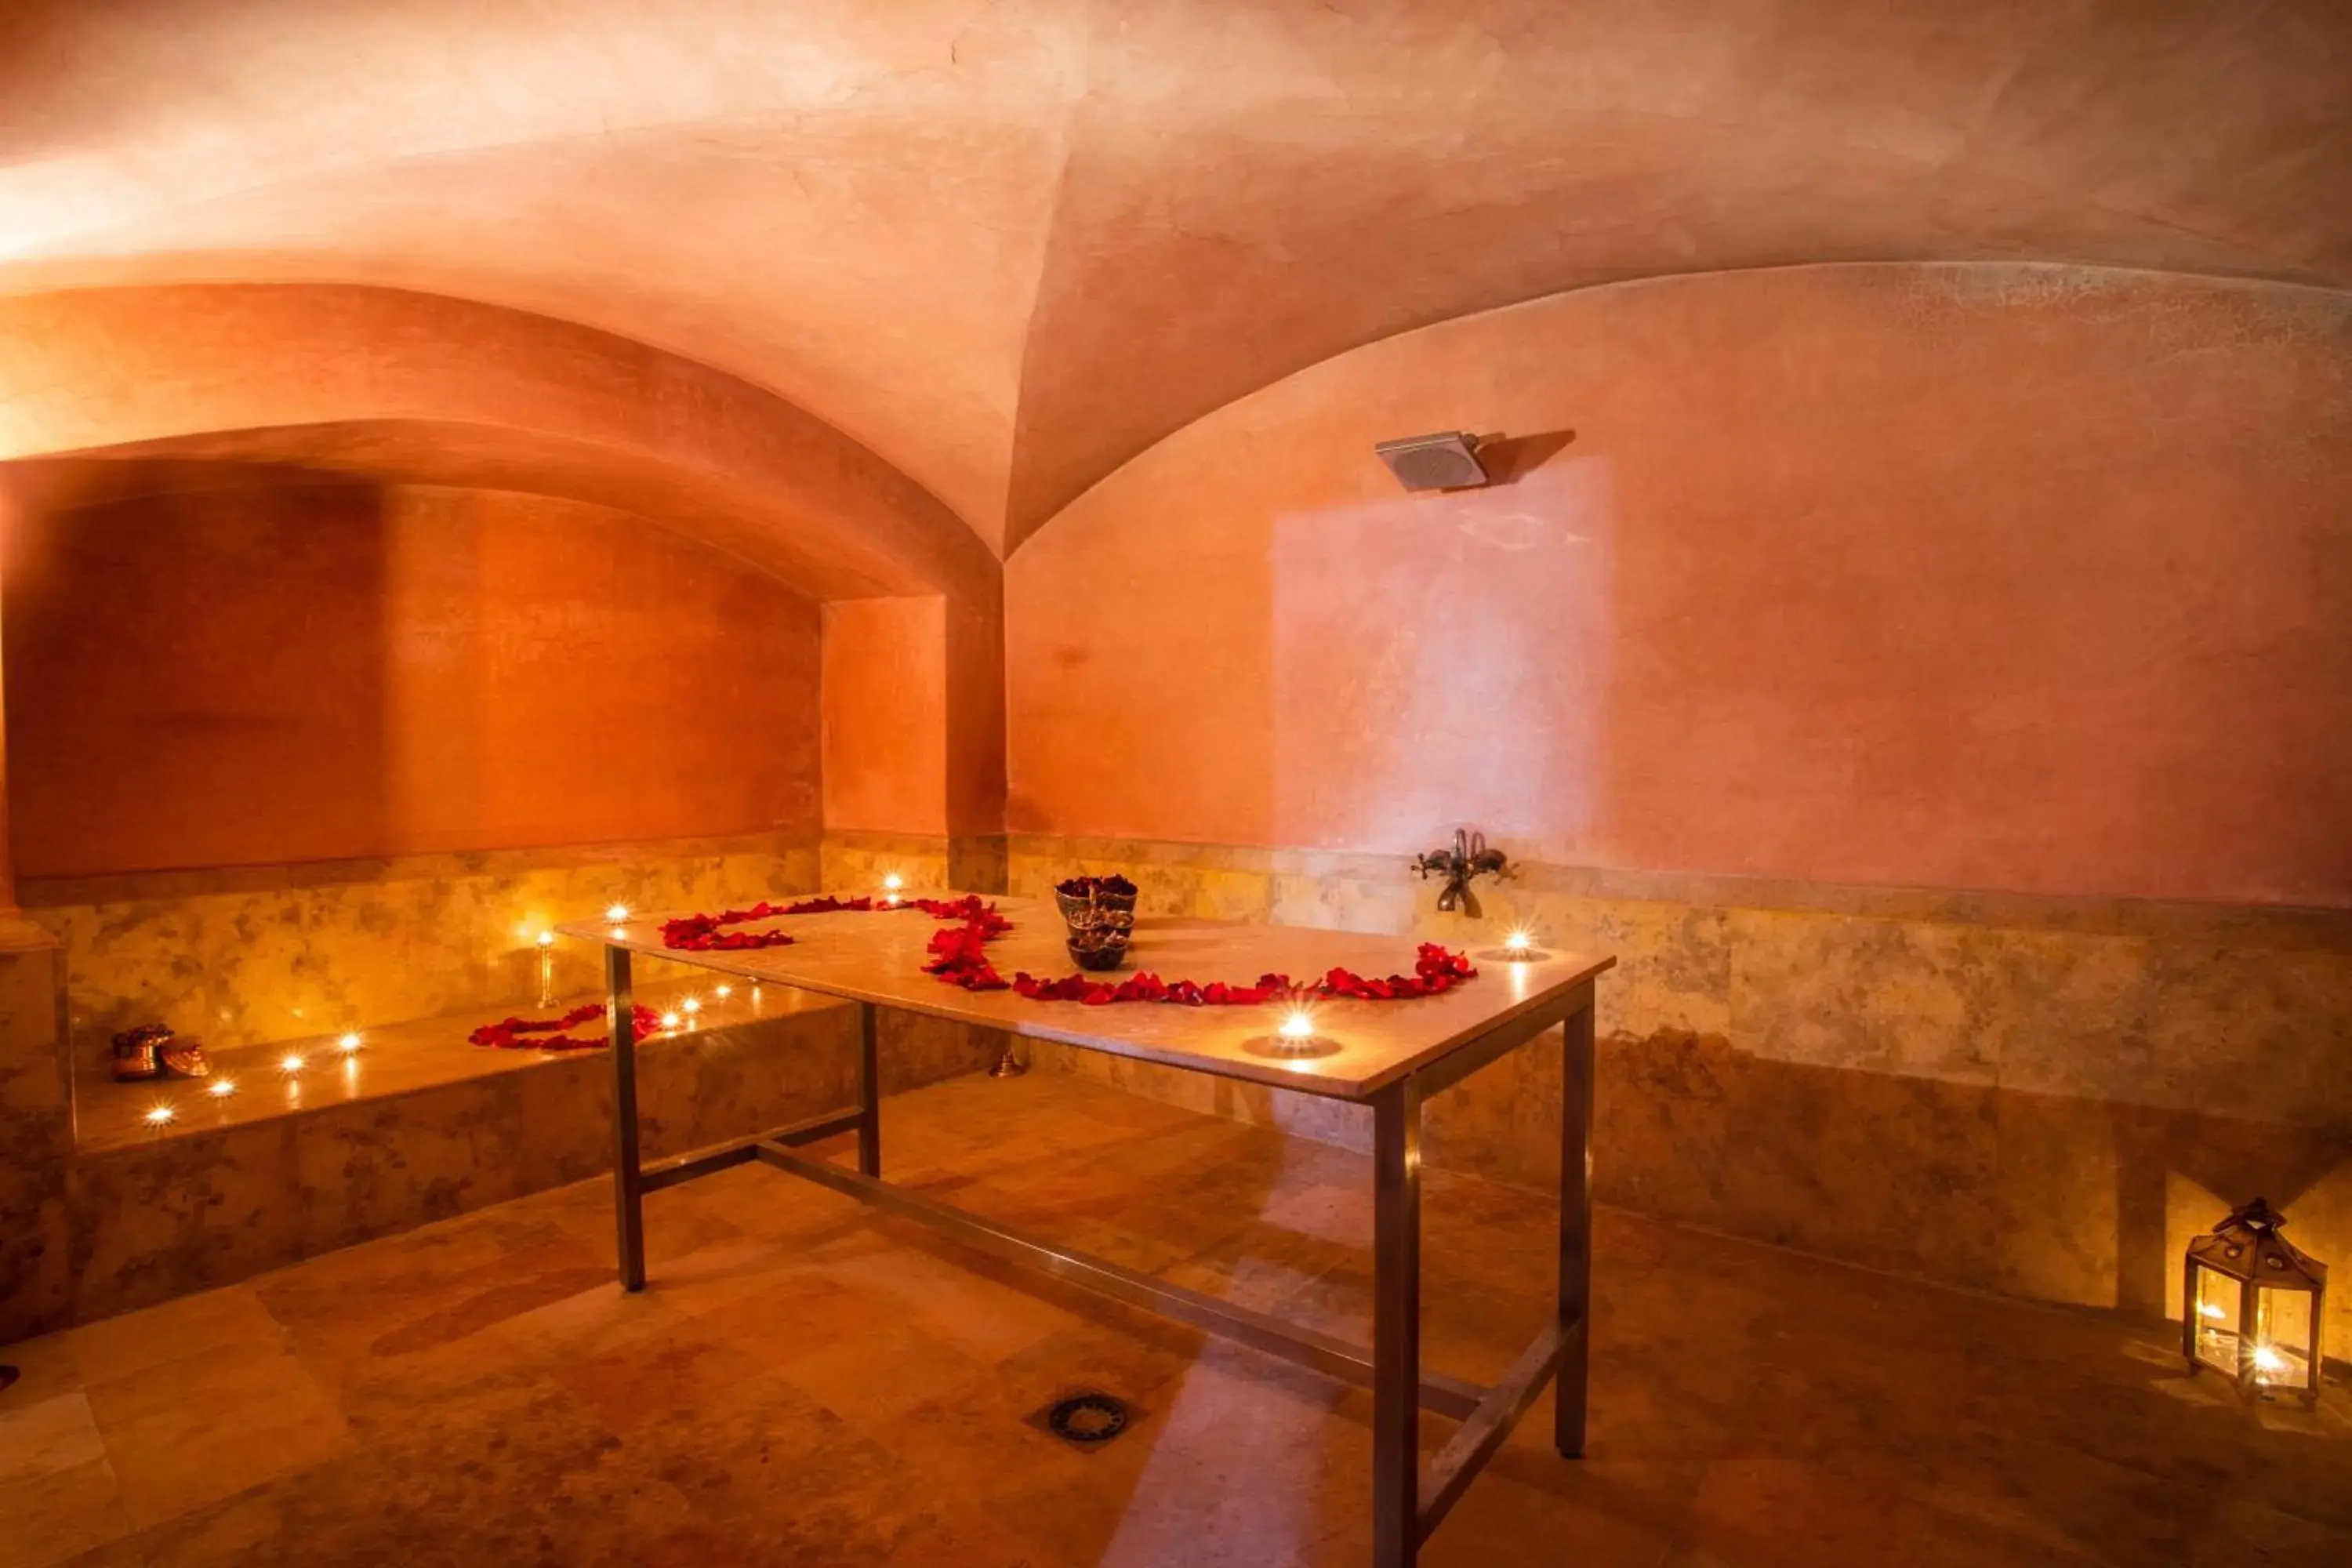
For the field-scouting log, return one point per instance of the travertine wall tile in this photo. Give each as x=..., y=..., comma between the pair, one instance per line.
x=35, y=1139
x=1873, y=995
x=183, y=1215
x=857, y=862
x=244, y=963
x=2264, y=1034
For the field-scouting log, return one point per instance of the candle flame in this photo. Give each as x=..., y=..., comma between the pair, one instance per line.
x=160, y=1115
x=291, y=1062
x=1519, y=941
x=348, y=1044
x=617, y=913
x=222, y=1088
x=1299, y=1025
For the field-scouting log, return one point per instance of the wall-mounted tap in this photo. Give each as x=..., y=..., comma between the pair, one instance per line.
x=1469, y=858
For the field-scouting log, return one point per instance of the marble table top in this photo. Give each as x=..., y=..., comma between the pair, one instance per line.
x=1361, y=1045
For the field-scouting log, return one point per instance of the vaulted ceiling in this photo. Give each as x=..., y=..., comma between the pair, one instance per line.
x=1007, y=245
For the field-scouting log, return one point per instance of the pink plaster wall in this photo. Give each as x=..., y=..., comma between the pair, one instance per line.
x=886, y=713
x=288, y=673
x=1971, y=576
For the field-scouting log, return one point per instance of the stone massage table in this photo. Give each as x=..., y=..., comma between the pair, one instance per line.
x=1388, y=1054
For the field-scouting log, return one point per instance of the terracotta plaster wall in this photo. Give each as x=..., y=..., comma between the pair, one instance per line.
x=886, y=715
x=301, y=673
x=1991, y=576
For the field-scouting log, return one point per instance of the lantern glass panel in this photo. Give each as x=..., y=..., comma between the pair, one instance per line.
x=2216, y=1306
x=2283, y=1338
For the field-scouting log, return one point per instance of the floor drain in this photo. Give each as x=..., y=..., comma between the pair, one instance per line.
x=1089, y=1418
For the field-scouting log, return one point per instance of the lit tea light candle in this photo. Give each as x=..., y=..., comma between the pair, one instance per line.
x=221, y=1087
x=617, y=913
x=669, y=1020
x=349, y=1043
x=547, y=939
x=1518, y=943
x=2268, y=1361
x=893, y=882
x=691, y=1005
x=291, y=1062
x=1299, y=1025
x=724, y=992
x=160, y=1115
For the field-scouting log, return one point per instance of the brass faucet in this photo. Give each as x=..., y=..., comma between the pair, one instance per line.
x=1469, y=858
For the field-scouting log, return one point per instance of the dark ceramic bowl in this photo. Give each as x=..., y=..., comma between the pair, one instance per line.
x=1100, y=936
x=1100, y=955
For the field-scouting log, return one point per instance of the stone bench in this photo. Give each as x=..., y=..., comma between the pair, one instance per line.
x=418, y=1125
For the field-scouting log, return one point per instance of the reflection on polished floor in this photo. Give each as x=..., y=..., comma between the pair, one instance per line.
x=806, y=1382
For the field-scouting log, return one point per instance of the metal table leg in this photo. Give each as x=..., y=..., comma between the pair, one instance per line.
x=629, y=1181
x=869, y=1092
x=1575, y=1306
x=1396, y=1325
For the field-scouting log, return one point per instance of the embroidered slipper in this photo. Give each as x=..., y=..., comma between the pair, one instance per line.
x=138, y=1053
x=185, y=1058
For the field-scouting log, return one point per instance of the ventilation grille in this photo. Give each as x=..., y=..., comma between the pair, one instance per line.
x=1446, y=461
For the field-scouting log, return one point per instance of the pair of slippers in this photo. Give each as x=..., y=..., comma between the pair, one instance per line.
x=153, y=1051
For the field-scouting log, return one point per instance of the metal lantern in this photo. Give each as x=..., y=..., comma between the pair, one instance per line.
x=2251, y=1306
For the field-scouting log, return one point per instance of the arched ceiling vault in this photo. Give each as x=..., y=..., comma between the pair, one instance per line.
x=406, y=387
x=1007, y=245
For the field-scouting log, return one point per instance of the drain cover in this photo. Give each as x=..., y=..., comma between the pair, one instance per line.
x=1089, y=1418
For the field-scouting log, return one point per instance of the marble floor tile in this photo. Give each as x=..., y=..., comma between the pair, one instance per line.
x=59, y=1514
x=193, y=1431
x=807, y=1381
x=51, y=1435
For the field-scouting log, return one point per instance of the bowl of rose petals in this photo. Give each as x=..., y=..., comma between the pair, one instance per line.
x=1079, y=894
